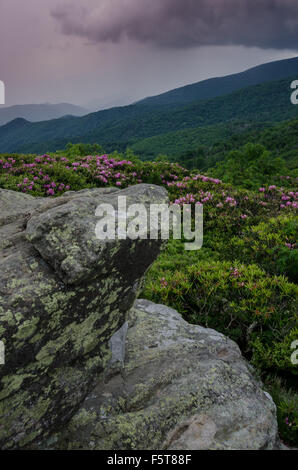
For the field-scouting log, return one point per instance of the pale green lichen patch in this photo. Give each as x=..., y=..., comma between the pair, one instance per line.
x=11, y=384
x=27, y=329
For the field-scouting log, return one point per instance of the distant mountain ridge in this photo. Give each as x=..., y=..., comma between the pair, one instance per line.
x=39, y=112
x=214, y=87
x=117, y=128
x=120, y=127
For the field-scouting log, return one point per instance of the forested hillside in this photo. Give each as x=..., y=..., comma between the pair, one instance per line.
x=118, y=128
x=202, y=147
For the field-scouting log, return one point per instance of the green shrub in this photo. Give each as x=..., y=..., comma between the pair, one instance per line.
x=249, y=167
x=286, y=400
x=241, y=301
x=271, y=244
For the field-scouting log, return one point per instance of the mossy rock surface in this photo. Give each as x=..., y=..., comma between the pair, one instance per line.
x=63, y=294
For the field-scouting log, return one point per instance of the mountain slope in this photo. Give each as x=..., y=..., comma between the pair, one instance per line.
x=214, y=87
x=204, y=146
x=126, y=125
x=39, y=112
x=176, y=143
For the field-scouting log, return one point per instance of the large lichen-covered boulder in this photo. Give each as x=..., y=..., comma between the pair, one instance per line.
x=63, y=294
x=173, y=386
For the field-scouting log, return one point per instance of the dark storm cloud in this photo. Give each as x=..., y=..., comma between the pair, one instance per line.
x=184, y=23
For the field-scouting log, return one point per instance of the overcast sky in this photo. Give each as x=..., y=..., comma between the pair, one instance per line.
x=101, y=53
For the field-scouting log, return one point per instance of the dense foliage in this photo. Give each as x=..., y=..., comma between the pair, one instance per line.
x=203, y=147
x=250, y=167
x=242, y=282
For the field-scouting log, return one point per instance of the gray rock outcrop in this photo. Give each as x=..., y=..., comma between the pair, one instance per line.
x=63, y=294
x=172, y=385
